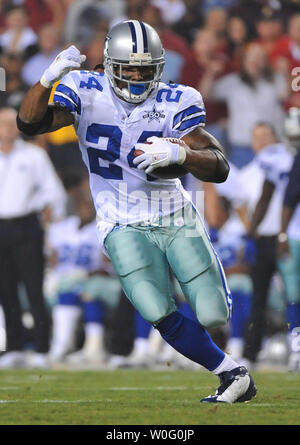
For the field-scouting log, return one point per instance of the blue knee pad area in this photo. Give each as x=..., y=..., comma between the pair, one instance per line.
x=293, y=316
x=142, y=327
x=241, y=302
x=93, y=312
x=69, y=299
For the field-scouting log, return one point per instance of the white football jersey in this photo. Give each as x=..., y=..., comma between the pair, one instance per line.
x=230, y=244
x=232, y=188
x=76, y=248
x=108, y=128
x=276, y=162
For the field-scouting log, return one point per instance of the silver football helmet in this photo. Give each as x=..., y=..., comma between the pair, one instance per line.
x=133, y=43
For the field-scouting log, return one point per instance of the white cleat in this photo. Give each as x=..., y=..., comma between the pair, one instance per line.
x=236, y=386
x=39, y=361
x=13, y=359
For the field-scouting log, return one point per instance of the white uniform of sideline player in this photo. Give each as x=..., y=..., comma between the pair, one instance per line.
x=145, y=231
x=276, y=162
x=78, y=262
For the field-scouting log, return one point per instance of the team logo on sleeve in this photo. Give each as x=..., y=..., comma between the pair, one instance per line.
x=154, y=114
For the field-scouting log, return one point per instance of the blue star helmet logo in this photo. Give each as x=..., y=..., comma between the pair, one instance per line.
x=153, y=114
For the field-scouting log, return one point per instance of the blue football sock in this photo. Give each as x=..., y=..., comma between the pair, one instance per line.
x=93, y=312
x=142, y=327
x=293, y=316
x=191, y=340
x=241, y=303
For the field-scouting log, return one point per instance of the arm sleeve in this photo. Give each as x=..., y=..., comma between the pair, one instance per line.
x=67, y=95
x=292, y=192
x=189, y=114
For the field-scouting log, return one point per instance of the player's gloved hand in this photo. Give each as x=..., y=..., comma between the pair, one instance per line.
x=64, y=62
x=159, y=153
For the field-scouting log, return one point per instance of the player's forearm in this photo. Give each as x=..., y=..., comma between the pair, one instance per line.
x=35, y=104
x=261, y=207
x=286, y=216
x=205, y=157
x=204, y=165
x=257, y=217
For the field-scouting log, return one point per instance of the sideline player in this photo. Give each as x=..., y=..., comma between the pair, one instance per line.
x=146, y=223
x=289, y=240
x=83, y=285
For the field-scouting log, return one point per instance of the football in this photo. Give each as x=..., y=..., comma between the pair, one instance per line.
x=170, y=172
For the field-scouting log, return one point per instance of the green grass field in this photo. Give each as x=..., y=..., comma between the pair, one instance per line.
x=131, y=397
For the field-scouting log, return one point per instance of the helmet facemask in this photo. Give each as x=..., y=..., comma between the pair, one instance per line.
x=134, y=91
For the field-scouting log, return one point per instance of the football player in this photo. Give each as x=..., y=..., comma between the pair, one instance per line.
x=147, y=222
x=289, y=240
x=83, y=286
x=276, y=161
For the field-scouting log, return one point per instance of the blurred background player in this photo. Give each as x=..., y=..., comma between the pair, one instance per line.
x=289, y=241
x=30, y=190
x=230, y=244
x=274, y=161
x=84, y=287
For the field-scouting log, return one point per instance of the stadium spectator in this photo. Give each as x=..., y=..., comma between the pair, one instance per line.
x=18, y=36
x=286, y=56
x=94, y=51
x=15, y=87
x=190, y=22
x=28, y=187
x=49, y=47
x=252, y=94
x=177, y=50
x=237, y=37
x=171, y=11
x=42, y=12
x=215, y=20
x=288, y=48
x=272, y=164
x=269, y=29
x=252, y=10
x=207, y=5
x=207, y=62
x=83, y=19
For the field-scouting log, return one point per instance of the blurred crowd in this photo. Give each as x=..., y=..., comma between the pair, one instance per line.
x=242, y=55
